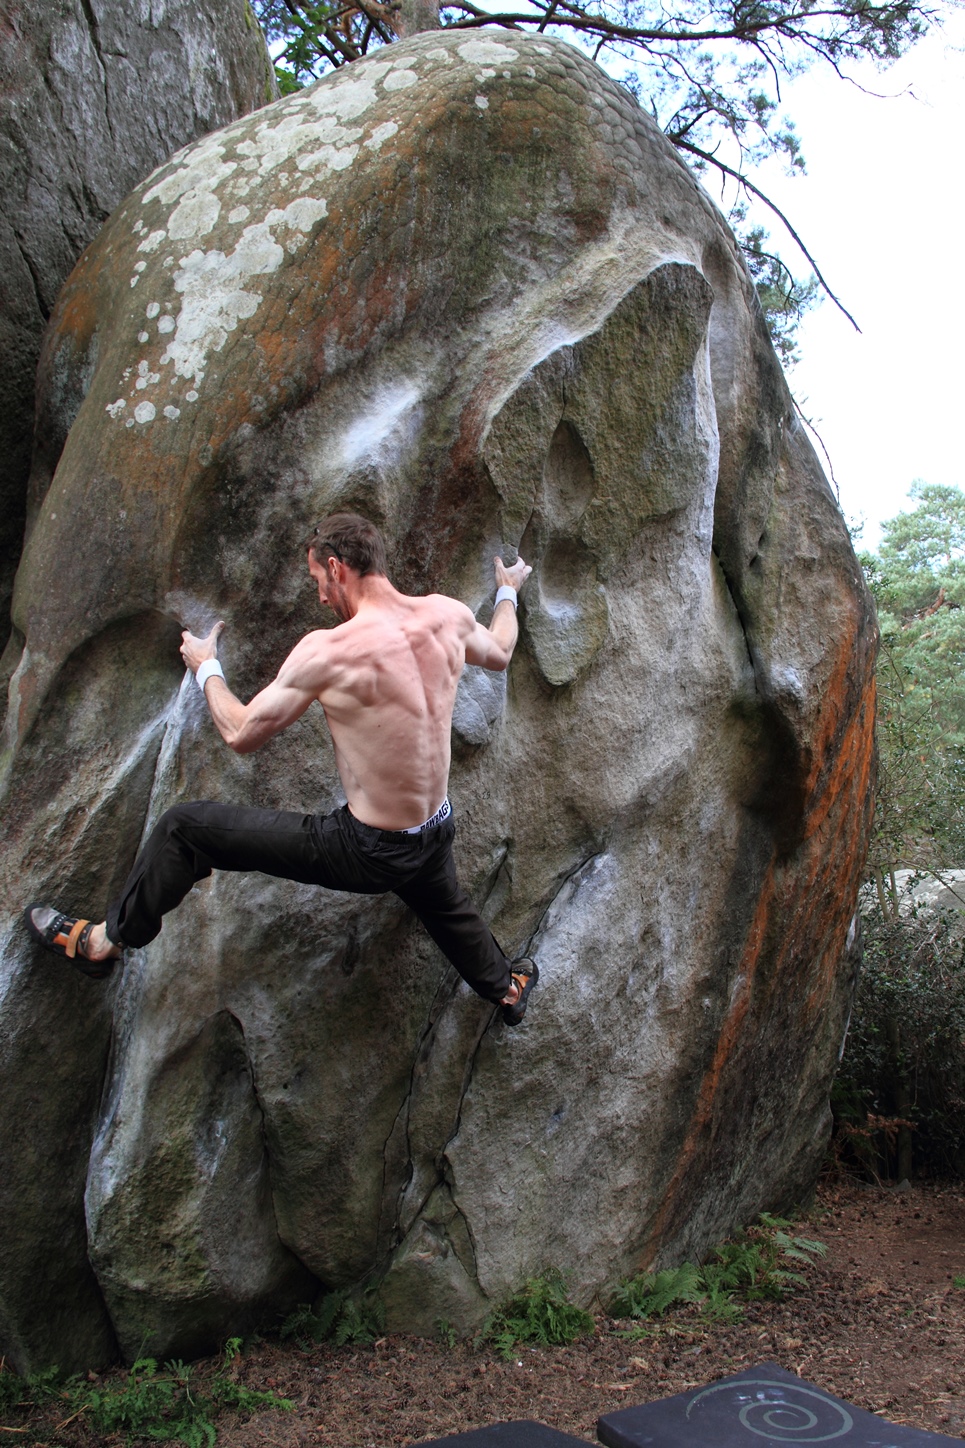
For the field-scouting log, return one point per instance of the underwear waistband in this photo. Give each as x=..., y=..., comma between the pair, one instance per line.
x=442, y=813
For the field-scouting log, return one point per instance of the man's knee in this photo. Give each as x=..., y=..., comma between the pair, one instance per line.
x=180, y=818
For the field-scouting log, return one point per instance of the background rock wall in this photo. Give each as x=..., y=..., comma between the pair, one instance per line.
x=466, y=287
x=93, y=95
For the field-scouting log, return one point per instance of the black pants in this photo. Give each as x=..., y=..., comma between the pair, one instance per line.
x=336, y=850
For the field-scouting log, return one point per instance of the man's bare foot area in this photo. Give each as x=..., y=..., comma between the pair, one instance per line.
x=99, y=944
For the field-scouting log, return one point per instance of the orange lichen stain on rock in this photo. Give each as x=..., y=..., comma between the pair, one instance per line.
x=825, y=880
x=835, y=753
x=78, y=316
x=726, y=1043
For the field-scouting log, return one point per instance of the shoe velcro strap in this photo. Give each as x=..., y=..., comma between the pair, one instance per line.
x=77, y=930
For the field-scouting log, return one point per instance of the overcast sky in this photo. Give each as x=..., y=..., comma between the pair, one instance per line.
x=882, y=211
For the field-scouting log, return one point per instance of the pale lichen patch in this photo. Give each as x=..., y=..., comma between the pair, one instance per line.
x=202, y=169
x=152, y=242
x=145, y=412
x=195, y=214
x=212, y=285
x=400, y=80
x=482, y=103
x=328, y=156
x=487, y=52
x=152, y=310
x=381, y=134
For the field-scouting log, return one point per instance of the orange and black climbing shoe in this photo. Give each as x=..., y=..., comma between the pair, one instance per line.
x=66, y=937
x=525, y=974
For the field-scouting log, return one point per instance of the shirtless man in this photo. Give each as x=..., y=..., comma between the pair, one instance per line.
x=386, y=677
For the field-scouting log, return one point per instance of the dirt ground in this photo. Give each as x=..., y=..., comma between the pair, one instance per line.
x=881, y=1324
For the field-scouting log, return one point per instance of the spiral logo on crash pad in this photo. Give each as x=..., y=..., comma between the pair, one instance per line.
x=782, y=1414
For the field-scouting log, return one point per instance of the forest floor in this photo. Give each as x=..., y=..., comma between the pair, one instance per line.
x=881, y=1324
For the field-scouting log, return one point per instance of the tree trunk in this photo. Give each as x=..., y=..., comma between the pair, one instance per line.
x=902, y=1099
x=415, y=16
x=880, y=890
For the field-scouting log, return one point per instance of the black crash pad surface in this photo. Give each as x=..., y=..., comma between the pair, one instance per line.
x=523, y=1434
x=764, y=1407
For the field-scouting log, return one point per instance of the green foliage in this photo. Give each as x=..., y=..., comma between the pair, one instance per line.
x=148, y=1404
x=288, y=82
x=164, y=1406
x=899, y=1096
x=758, y=1263
x=958, y=1281
x=784, y=299
x=917, y=578
x=446, y=1331
x=340, y=1318
x=540, y=1312
x=16, y=1391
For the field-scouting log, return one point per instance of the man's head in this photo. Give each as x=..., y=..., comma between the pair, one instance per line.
x=354, y=541
x=343, y=549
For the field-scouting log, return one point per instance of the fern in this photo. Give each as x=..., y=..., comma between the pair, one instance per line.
x=539, y=1313
x=748, y=1268
x=339, y=1318
x=655, y=1293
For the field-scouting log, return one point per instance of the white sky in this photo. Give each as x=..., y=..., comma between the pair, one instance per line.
x=882, y=210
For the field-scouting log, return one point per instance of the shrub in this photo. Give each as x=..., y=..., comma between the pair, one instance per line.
x=899, y=1095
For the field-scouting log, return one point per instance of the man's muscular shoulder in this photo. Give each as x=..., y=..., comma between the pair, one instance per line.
x=310, y=661
x=450, y=611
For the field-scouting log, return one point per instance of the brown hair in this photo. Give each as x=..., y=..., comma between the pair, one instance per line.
x=352, y=540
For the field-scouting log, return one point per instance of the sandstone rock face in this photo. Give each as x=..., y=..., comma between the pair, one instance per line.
x=464, y=286
x=93, y=95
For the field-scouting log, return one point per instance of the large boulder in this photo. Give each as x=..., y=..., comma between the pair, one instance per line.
x=464, y=286
x=93, y=95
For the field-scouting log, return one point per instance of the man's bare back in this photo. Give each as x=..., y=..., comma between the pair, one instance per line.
x=386, y=677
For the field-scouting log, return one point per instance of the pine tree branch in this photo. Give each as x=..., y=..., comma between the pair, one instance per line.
x=743, y=181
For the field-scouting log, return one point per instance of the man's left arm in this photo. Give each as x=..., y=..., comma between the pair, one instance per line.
x=492, y=647
x=244, y=727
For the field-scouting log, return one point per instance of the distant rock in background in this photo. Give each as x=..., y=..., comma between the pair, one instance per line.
x=467, y=287
x=93, y=95
x=918, y=890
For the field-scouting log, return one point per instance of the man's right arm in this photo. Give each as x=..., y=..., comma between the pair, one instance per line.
x=246, y=727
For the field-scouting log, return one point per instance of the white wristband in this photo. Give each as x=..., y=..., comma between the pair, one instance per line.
x=504, y=591
x=208, y=670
